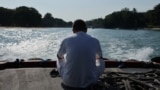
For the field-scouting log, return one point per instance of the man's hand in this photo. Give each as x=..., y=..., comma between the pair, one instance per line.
x=104, y=58
x=60, y=58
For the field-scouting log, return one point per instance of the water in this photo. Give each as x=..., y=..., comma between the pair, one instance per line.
x=25, y=43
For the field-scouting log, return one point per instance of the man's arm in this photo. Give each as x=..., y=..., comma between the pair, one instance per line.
x=61, y=51
x=99, y=60
x=99, y=51
x=61, y=62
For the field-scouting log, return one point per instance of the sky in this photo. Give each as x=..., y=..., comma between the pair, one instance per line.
x=70, y=10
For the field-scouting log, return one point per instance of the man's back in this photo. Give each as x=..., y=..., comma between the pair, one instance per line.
x=81, y=55
x=80, y=70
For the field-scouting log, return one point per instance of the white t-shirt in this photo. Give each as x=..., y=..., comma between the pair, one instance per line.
x=81, y=51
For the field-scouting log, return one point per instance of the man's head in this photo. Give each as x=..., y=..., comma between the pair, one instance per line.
x=79, y=25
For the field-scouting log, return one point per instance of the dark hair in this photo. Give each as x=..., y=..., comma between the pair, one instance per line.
x=79, y=25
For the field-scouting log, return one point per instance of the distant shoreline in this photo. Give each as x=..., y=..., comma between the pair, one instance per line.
x=155, y=29
x=34, y=27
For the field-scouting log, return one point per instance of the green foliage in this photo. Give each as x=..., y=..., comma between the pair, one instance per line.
x=95, y=23
x=125, y=19
x=5, y=16
x=153, y=17
x=48, y=20
x=29, y=17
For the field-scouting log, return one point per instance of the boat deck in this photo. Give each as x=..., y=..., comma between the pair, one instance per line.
x=28, y=79
x=40, y=79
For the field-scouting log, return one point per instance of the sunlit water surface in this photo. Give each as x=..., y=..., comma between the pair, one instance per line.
x=25, y=43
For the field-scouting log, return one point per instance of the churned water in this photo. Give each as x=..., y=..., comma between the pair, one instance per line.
x=25, y=43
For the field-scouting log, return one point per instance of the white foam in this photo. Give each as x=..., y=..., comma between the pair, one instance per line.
x=30, y=43
x=29, y=46
x=24, y=49
x=142, y=54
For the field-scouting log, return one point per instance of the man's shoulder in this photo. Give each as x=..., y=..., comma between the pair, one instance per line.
x=95, y=39
x=69, y=38
x=86, y=36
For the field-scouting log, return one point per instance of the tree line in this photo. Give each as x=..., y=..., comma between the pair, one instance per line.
x=126, y=19
x=129, y=19
x=29, y=17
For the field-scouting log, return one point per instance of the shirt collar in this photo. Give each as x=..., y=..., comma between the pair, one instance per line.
x=80, y=32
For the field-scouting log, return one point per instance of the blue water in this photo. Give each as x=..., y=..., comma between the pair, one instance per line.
x=25, y=43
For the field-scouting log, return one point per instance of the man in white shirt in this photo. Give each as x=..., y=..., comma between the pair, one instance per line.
x=78, y=69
